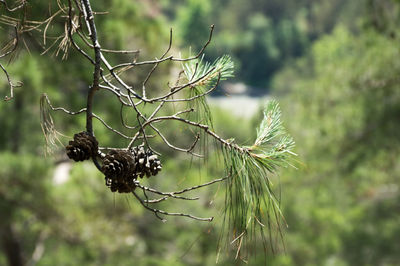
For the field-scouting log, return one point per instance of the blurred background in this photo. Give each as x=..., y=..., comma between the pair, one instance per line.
x=334, y=66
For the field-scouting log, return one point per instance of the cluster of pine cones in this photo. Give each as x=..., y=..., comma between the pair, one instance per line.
x=120, y=167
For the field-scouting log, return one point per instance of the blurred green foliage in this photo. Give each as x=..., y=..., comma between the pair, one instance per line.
x=343, y=101
x=262, y=36
x=193, y=20
x=334, y=67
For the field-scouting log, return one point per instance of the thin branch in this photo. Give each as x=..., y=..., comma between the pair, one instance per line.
x=202, y=126
x=157, y=211
x=171, y=145
x=109, y=127
x=123, y=120
x=141, y=129
x=70, y=28
x=62, y=108
x=114, y=89
x=10, y=83
x=166, y=197
x=120, y=51
x=12, y=86
x=82, y=111
x=96, y=73
x=194, y=143
x=175, y=193
x=155, y=66
x=172, y=58
x=139, y=115
x=184, y=111
x=120, y=81
x=107, y=50
x=200, y=186
x=9, y=9
x=150, y=117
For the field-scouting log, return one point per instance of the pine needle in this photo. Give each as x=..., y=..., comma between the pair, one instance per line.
x=196, y=69
x=47, y=124
x=251, y=207
x=207, y=75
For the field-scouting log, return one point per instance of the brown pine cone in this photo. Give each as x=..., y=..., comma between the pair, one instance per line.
x=121, y=186
x=119, y=170
x=118, y=164
x=83, y=147
x=147, y=163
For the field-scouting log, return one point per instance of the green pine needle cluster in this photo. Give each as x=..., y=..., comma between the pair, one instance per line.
x=206, y=75
x=252, y=209
x=273, y=146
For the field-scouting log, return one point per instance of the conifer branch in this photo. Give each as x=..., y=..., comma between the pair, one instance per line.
x=251, y=205
x=250, y=202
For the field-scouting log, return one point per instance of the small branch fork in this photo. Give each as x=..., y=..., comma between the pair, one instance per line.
x=80, y=23
x=10, y=83
x=167, y=195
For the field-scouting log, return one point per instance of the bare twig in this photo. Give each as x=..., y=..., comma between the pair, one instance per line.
x=82, y=111
x=175, y=193
x=202, y=126
x=171, y=145
x=10, y=83
x=108, y=50
x=157, y=211
x=166, y=197
x=171, y=58
x=155, y=66
x=12, y=9
x=70, y=33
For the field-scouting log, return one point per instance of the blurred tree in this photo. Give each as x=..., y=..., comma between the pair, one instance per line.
x=344, y=101
x=264, y=36
x=193, y=23
x=259, y=42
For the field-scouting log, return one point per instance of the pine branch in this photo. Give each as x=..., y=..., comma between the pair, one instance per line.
x=207, y=76
x=251, y=206
x=196, y=69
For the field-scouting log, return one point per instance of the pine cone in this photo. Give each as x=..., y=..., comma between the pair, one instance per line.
x=119, y=169
x=154, y=165
x=121, y=186
x=147, y=163
x=140, y=159
x=82, y=147
x=119, y=164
